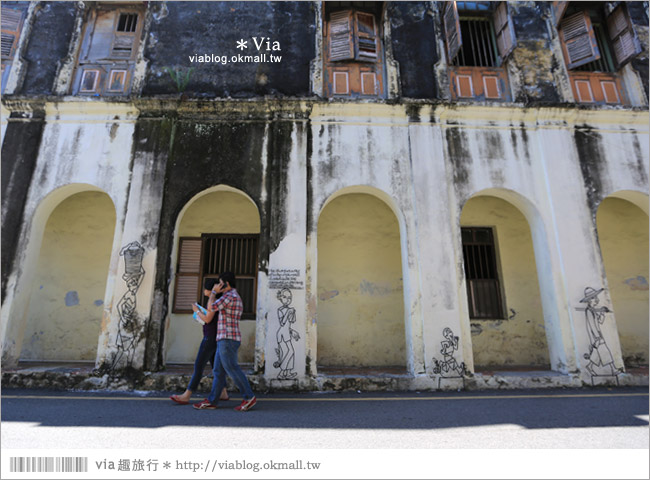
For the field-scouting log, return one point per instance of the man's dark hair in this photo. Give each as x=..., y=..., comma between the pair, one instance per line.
x=229, y=278
x=209, y=283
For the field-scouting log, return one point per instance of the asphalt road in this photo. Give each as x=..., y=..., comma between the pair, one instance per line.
x=566, y=419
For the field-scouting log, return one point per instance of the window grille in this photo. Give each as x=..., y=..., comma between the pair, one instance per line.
x=210, y=255
x=127, y=22
x=479, y=48
x=483, y=287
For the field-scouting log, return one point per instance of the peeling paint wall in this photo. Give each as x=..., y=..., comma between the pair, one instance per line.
x=67, y=297
x=623, y=237
x=218, y=212
x=361, y=306
x=520, y=338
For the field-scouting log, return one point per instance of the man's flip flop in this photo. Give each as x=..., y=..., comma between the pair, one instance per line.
x=180, y=402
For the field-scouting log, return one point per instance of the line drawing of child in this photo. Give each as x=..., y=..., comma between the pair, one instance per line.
x=448, y=366
x=285, y=336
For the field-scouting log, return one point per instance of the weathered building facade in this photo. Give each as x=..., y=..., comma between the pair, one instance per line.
x=428, y=188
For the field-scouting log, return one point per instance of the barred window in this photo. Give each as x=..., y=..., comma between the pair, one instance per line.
x=207, y=256
x=481, y=273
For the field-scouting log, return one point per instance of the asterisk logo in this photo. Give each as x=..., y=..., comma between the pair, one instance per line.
x=241, y=44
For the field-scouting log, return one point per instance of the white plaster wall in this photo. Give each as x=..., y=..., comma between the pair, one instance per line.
x=85, y=146
x=364, y=148
x=215, y=212
x=284, y=344
x=66, y=303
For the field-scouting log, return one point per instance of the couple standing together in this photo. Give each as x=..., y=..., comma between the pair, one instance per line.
x=221, y=341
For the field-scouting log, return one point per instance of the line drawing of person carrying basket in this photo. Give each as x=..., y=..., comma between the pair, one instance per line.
x=285, y=335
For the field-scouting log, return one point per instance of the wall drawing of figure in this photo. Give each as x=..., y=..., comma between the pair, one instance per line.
x=285, y=336
x=448, y=367
x=129, y=329
x=601, y=361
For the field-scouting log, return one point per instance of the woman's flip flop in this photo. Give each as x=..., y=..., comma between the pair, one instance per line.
x=180, y=402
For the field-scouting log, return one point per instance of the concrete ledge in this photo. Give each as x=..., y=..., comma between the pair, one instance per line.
x=84, y=378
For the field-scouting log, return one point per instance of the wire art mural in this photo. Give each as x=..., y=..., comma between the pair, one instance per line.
x=600, y=360
x=129, y=330
x=285, y=336
x=448, y=367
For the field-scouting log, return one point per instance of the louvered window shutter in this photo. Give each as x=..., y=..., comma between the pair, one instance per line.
x=11, y=20
x=124, y=39
x=341, y=36
x=452, y=30
x=505, y=31
x=623, y=36
x=558, y=11
x=366, y=36
x=578, y=40
x=188, y=274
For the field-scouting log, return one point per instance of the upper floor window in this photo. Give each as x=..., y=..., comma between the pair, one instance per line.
x=597, y=39
x=479, y=35
x=13, y=16
x=353, y=55
x=108, y=49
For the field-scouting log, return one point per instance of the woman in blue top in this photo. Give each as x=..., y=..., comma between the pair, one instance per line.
x=206, y=351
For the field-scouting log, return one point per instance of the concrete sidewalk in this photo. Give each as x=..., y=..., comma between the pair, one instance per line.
x=81, y=376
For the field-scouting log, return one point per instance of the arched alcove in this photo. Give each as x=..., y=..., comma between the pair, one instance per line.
x=219, y=230
x=623, y=237
x=361, y=321
x=505, y=306
x=69, y=277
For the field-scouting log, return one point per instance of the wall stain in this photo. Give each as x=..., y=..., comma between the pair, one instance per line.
x=71, y=299
x=637, y=283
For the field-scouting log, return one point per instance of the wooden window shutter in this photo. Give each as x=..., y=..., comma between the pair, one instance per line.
x=188, y=274
x=11, y=22
x=452, y=30
x=622, y=35
x=124, y=38
x=366, y=36
x=341, y=36
x=558, y=11
x=578, y=40
x=506, y=40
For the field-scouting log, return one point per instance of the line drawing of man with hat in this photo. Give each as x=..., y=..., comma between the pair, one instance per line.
x=599, y=353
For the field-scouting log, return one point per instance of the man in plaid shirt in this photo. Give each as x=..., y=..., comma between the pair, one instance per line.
x=229, y=308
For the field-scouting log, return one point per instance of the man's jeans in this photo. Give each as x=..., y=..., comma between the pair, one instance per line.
x=206, y=354
x=225, y=362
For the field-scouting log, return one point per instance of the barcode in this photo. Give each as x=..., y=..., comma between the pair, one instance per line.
x=48, y=464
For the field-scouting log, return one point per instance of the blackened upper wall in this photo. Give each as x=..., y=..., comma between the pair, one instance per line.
x=48, y=45
x=206, y=28
x=414, y=47
x=19, y=155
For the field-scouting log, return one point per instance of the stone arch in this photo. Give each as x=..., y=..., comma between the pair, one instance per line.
x=362, y=288
x=220, y=209
x=622, y=226
x=528, y=332
x=65, y=270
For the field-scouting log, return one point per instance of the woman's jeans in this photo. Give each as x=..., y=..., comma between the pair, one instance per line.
x=225, y=362
x=206, y=354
